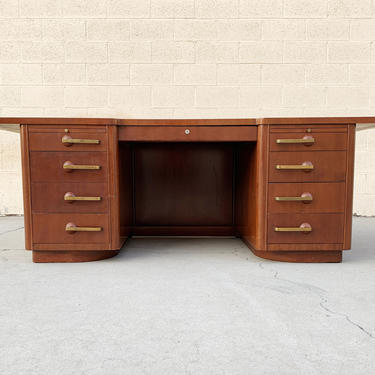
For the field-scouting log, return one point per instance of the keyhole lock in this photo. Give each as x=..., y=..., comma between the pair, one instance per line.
x=187, y=131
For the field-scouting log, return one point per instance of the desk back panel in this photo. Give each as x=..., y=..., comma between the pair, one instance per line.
x=180, y=184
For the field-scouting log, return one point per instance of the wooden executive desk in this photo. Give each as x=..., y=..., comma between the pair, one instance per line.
x=284, y=185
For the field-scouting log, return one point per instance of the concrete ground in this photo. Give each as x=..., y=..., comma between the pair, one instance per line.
x=177, y=306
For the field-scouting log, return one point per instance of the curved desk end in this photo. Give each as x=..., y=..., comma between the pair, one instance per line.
x=301, y=256
x=72, y=256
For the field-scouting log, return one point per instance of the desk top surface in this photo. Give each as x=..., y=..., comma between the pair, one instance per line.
x=184, y=122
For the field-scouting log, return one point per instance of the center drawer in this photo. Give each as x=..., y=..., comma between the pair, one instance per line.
x=188, y=133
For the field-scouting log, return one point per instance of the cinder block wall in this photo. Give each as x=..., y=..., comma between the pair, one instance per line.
x=187, y=58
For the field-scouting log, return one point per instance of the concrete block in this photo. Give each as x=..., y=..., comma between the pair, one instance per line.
x=173, y=96
x=217, y=96
x=173, y=52
x=151, y=74
x=216, y=52
x=195, y=74
x=129, y=52
x=238, y=74
x=261, y=52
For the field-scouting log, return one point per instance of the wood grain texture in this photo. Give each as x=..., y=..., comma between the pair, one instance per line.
x=326, y=228
x=126, y=187
x=322, y=142
x=195, y=133
x=304, y=247
x=349, y=188
x=71, y=256
x=48, y=166
x=50, y=229
x=26, y=187
x=183, y=184
x=114, y=187
x=328, y=197
x=49, y=197
x=186, y=122
x=316, y=120
x=50, y=139
x=328, y=166
x=298, y=256
x=57, y=121
x=308, y=128
x=251, y=190
x=187, y=188
x=301, y=256
x=186, y=230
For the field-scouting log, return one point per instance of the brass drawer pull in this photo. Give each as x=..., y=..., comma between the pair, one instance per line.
x=67, y=140
x=306, y=166
x=303, y=228
x=307, y=140
x=69, y=166
x=71, y=197
x=304, y=198
x=72, y=228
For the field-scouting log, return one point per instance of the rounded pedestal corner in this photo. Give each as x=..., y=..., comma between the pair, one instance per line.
x=301, y=256
x=72, y=256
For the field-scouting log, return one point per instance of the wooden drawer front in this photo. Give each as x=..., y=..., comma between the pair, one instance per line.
x=326, y=228
x=309, y=128
x=51, y=228
x=188, y=133
x=51, y=139
x=48, y=166
x=55, y=197
x=317, y=141
x=326, y=197
x=328, y=166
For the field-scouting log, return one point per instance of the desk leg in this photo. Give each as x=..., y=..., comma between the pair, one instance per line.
x=71, y=256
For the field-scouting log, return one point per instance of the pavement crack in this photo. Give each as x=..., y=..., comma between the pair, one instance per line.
x=317, y=291
x=10, y=230
x=348, y=319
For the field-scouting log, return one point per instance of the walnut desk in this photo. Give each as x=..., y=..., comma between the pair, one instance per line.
x=283, y=185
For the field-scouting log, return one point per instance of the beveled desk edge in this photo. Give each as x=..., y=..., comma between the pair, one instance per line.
x=183, y=121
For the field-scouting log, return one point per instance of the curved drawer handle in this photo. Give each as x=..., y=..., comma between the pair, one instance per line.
x=67, y=141
x=303, y=228
x=305, y=166
x=71, y=197
x=72, y=228
x=69, y=166
x=304, y=198
x=307, y=140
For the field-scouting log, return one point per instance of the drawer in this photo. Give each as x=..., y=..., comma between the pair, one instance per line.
x=188, y=133
x=77, y=139
x=325, y=228
x=51, y=229
x=69, y=197
x=327, y=166
x=49, y=166
x=306, y=197
x=309, y=128
x=313, y=141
